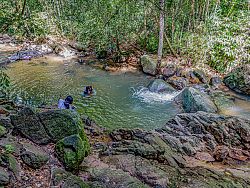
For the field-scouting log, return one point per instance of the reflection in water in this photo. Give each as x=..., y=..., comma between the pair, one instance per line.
x=119, y=101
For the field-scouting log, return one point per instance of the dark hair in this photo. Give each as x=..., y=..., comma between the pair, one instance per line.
x=68, y=101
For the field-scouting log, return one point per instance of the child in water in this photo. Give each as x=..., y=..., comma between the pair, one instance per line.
x=66, y=104
x=88, y=90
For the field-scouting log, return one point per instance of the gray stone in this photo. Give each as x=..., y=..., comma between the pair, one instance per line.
x=159, y=85
x=193, y=100
x=4, y=177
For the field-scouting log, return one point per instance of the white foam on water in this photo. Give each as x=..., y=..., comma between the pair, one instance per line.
x=143, y=94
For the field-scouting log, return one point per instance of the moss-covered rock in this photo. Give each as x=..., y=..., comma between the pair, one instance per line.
x=61, y=123
x=3, y=130
x=66, y=179
x=148, y=64
x=239, y=79
x=33, y=156
x=29, y=125
x=71, y=151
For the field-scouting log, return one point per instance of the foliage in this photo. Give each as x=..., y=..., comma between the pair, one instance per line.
x=8, y=149
x=109, y=25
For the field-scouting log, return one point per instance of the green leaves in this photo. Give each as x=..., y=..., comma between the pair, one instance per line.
x=4, y=84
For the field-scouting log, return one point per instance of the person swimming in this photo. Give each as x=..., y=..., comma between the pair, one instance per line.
x=66, y=104
x=88, y=90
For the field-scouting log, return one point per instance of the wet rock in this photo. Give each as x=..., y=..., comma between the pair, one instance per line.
x=71, y=151
x=222, y=100
x=4, y=177
x=33, y=156
x=201, y=75
x=148, y=65
x=169, y=70
x=192, y=101
x=61, y=123
x=239, y=79
x=29, y=125
x=159, y=85
x=114, y=178
x=178, y=82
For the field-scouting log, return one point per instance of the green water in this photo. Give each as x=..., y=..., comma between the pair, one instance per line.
x=121, y=99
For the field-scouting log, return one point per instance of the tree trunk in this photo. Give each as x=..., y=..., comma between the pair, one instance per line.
x=161, y=35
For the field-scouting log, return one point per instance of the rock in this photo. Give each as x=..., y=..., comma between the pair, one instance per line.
x=148, y=65
x=204, y=156
x=169, y=70
x=201, y=75
x=33, y=156
x=71, y=151
x=189, y=74
x=61, y=123
x=215, y=81
x=239, y=79
x=3, y=131
x=4, y=177
x=29, y=125
x=159, y=85
x=200, y=129
x=140, y=168
x=64, y=179
x=178, y=82
x=192, y=101
x=114, y=178
x=222, y=100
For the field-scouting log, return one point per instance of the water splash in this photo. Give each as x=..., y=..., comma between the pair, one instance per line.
x=144, y=95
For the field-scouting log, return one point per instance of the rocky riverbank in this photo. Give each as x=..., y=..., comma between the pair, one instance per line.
x=41, y=148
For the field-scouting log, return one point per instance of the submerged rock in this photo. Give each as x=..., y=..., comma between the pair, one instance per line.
x=239, y=79
x=148, y=65
x=71, y=151
x=193, y=100
x=159, y=85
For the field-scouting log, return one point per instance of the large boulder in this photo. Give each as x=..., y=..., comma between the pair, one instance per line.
x=239, y=79
x=71, y=151
x=193, y=100
x=222, y=100
x=169, y=70
x=207, y=132
x=28, y=124
x=159, y=85
x=178, y=82
x=33, y=156
x=61, y=123
x=148, y=65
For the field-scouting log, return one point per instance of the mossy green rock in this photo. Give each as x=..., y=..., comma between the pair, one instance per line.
x=3, y=130
x=61, y=123
x=71, y=151
x=66, y=179
x=239, y=79
x=29, y=125
x=193, y=100
x=33, y=156
x=148, y=64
